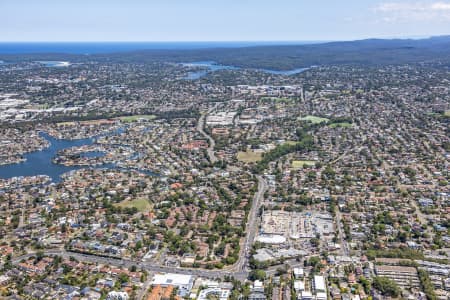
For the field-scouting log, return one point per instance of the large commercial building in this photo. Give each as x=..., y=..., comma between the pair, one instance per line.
x=184, y=283
x=295, y=225
x=320, y=288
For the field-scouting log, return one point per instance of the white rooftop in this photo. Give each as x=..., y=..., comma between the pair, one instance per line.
x=257, y=284
x=299, y=285
x=306, y=295
x=171, y=279
x=298, y=271
x=321, y=296
x=319, y=283
x=271, y=239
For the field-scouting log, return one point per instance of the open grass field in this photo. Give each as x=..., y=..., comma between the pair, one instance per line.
x=136, y=117
x=344, y=124
x=142, y=205
x=249, y=156
x=447, y=113
x=300, y=163
x=314, y=119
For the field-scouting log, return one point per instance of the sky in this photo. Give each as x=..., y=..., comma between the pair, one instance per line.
x=220, y=20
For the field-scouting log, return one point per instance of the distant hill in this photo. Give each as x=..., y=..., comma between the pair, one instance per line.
x=361, y=52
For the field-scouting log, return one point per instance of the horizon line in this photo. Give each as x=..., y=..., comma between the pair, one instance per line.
x=174, y=41
x=231, y=41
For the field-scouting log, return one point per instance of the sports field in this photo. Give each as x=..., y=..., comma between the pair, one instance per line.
x=142, y=205
x=300, y=163
x=249, y=156
x=136, y=117
x=314, y=119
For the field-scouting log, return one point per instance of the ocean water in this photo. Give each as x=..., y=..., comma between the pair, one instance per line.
x=111, y=47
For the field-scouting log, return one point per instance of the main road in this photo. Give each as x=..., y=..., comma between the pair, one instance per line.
x=212, y=143
x=251, y=228
x=127, y=263
x=344, y=246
